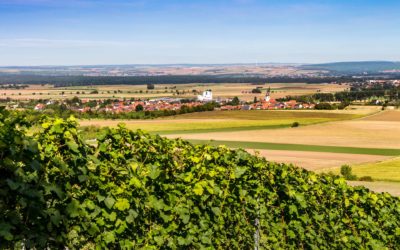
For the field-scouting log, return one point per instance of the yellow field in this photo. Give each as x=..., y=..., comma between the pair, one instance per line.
x=387, y=170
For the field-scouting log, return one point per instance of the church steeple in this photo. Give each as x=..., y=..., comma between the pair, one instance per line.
x=268, y=95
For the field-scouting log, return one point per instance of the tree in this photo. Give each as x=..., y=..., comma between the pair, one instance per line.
x=235, y=101
x=346, y=172
x=139, y=108
x=150, y=86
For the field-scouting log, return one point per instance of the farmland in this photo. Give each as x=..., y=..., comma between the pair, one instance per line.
x=324, y=139
x=364, y=133
x=225, y=121
x=166, y=90
x=386, y=170
x=367, y=143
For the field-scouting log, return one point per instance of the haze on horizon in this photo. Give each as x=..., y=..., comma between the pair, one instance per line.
x=90, y=32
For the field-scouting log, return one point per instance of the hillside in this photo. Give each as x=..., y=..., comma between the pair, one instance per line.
x=356, y=67
x=135, y=190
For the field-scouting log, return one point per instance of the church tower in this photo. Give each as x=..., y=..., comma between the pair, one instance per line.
x=267, y=97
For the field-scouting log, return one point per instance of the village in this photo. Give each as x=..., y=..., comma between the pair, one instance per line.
x=167, y=103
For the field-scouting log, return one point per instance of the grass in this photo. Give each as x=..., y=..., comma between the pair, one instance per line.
x=388, y=170
x=300, y=147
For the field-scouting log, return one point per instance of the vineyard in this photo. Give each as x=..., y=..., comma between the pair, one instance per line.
x=132, y=190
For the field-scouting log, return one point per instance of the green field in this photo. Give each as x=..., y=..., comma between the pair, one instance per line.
x=300, y=147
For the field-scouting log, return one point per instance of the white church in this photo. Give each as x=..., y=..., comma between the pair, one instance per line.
x=206, y=96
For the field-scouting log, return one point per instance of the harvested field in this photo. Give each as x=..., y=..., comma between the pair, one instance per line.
x=361, y=133
x=317, y=160
x=392, y=188
x=224, y=121
x=275, y=114
x=389, y=116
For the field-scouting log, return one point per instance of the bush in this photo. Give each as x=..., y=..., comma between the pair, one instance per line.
x=324, y=106
x=295, y=124
x=366, y=178
x=346, y=172
x=139, y=108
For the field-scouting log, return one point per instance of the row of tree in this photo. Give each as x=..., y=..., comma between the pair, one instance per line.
x=63, y=81
x=356, y=94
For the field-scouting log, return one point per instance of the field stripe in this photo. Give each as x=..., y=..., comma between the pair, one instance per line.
x=301, y=147
x=228, y=129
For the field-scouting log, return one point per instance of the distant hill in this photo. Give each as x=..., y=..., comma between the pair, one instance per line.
x=356, y=67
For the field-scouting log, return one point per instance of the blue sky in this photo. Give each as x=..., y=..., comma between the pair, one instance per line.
x=50, y=32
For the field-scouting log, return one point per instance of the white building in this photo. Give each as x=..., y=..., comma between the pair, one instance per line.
x=267, y=97
x=206, y=96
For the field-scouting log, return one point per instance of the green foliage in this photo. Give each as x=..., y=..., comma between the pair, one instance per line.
x=324, y=106
x=295, y=124
x=347, y=173
x=137, y=191
x=366, y=178
x=150, y=86
x=139, y=108
x=235, y=101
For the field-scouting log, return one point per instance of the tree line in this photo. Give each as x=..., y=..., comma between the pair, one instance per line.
x=65, y=81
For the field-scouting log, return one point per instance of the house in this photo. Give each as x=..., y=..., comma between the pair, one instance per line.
x=40, y=106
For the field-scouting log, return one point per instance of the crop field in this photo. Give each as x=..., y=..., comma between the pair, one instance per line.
x=379, y=186
x=315, y=161
x=386, y=170
x=225, y=121
x=168, y=90
x=301, y=147
x=362, y=133
x=368, y=143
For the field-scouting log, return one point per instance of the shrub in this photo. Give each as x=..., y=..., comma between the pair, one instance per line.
x=139, y=108
x=324, y=106
x=346, y=172
x=366, y=178
x=295, y=124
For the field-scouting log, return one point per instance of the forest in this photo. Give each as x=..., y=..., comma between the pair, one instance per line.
x=65, y=81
